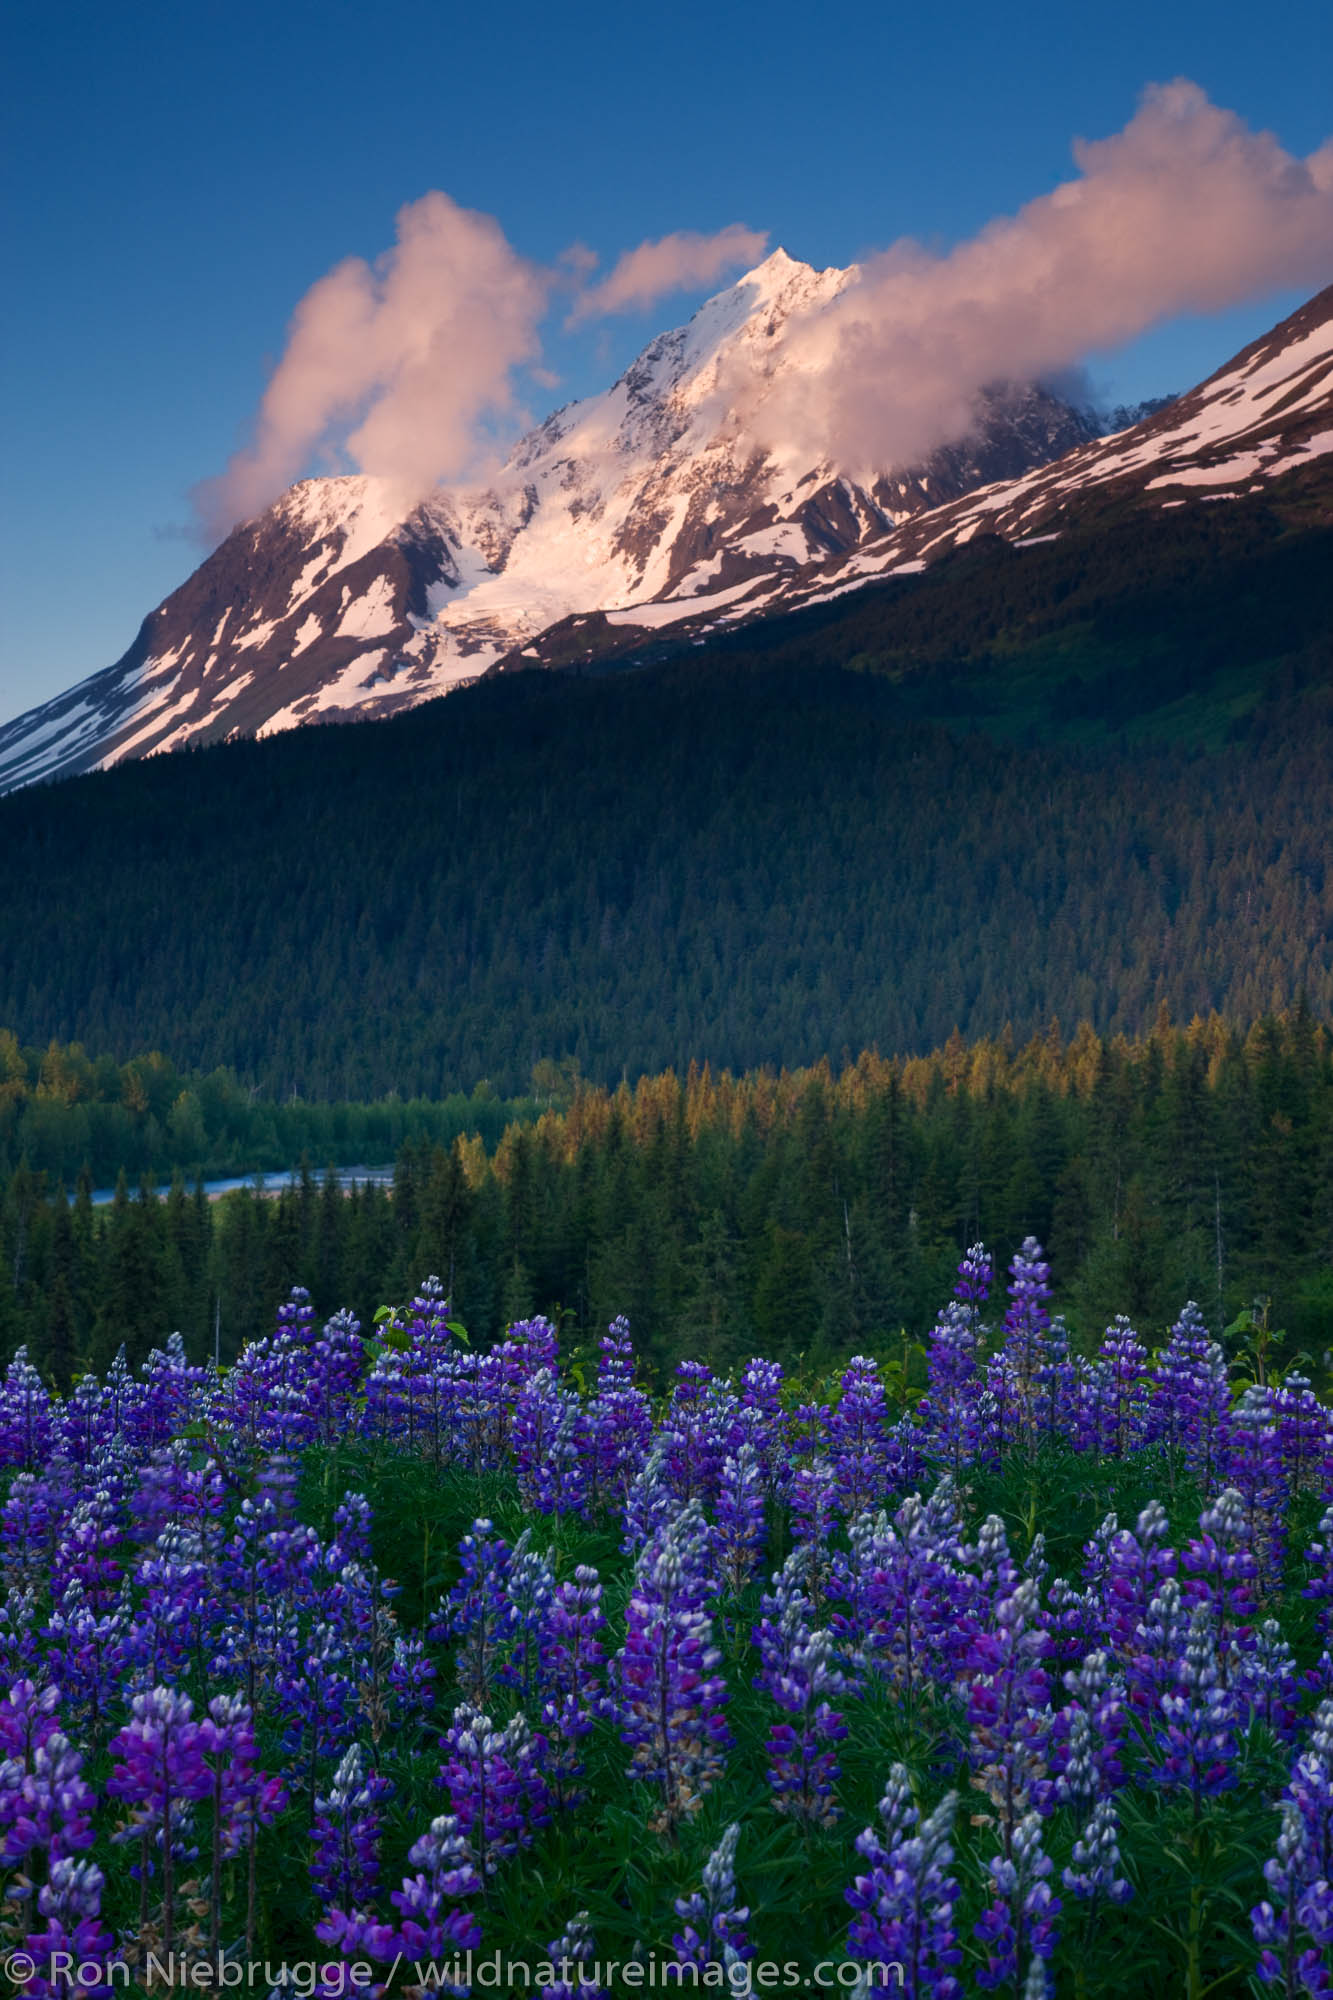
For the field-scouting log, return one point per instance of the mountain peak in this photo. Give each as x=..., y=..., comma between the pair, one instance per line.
x=783, y=279
x=776, y=271
x=651, y=506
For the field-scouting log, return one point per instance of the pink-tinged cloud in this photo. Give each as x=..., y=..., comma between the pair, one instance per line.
x=404, y=361
x=674, y=263
x=1185, y=210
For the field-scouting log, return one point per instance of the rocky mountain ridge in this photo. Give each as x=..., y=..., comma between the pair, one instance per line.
x=650, y=509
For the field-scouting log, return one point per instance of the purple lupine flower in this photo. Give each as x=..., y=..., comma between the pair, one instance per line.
x=257, y=1568
x=1300, y=1903
x=649, y=1503
x=1020, y=1918
x=997, y=1572
x=858, y=1437
x=1189, y=1397
x=490, y=1385
x=1026, y=1324
x=46, y=1806
x=572, y=1677
x=28, y=1716
x=1127, y=1570
x=1086, y=1741
x=671, y=1695
x=740, y=1519
x=813, y=1503
x=700, y=1429
x=1199, y=1742
x=345, y=1865
x=26, y=1421
x=497, y=1790
x=810, y=1430
x=714, y=1932
x=172, y=1391
x=483, y=1387
x=161, y=1777
x=171, y=1491
x=1223, y=1572
x=429, y=1927
x=1095, y=1870
x=544, y=1440
x=32, y=1517
x=84, y=1426
x=1056, y=1383
x=976, y=1274
x=529, y=1589
x=1151, y=1672
x=71, y=1903
x=905, y=1903
x=567, y=1955
x=266, y=1405
x=800, y=1672
x=619, y=1420
x=243, y=1797
x=20, y=1651
x=1251, y=1462
x=908, y=1591
x=173, y=1627
x=84, y=1546
x=765, y=1420
x=1304, y=1431
x=1125, y=1373
x=1005, y=1687
x=353, y=1525
x=1263, y=1675
x=409, y=1678
x=1311, y=1790
x=335, y=1364
x=476, y=1611
x=120, y=1398
x=316, y=1696
x=1072, y=1622
x=950, y=1409
x=408, y=1386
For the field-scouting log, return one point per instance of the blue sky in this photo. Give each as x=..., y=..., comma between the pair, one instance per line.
x=179, y=175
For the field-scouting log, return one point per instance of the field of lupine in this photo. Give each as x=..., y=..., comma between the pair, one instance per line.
x=374, y=1649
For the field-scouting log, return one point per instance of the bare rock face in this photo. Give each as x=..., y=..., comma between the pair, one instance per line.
x=651, y=508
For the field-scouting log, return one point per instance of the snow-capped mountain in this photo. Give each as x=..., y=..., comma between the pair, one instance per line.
x=1265, y=413
x=335, y=604
x=648, y=508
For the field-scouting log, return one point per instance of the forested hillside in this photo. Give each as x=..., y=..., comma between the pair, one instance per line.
x=1077, y=780
x=807, y=1214
x=637, y=873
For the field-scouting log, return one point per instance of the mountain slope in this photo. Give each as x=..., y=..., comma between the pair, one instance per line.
x=333, y=603
x=1265, y=414
x=729, y=857
x=647, y=515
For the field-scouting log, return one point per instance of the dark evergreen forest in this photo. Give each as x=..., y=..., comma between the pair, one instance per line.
x=1077, y=781
x=803, y=1215
x=65, y=1114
